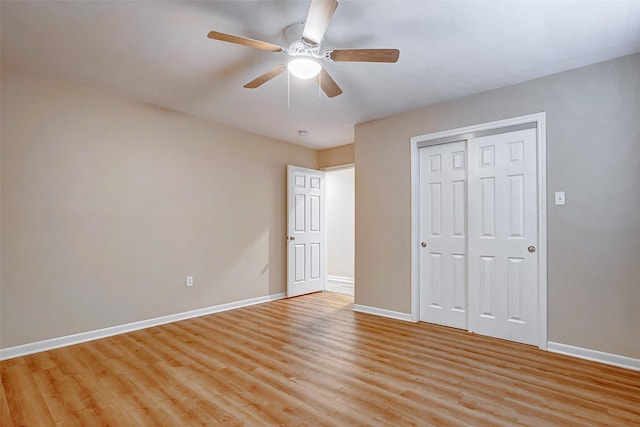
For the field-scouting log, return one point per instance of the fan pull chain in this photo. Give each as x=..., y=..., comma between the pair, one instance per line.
x=320, y=86
x=288, y=89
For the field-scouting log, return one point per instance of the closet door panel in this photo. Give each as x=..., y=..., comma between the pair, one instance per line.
x=502, y=223
x=443, y=235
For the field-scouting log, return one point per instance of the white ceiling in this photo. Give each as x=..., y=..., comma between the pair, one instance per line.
x=158, y=52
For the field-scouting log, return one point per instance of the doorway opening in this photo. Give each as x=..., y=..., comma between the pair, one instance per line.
x=340, y=227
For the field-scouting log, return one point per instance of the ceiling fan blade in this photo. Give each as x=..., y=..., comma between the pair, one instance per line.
x=365, y=55
x=320, y=13
x=244, y=41
x=265, y=77
x=329, y=86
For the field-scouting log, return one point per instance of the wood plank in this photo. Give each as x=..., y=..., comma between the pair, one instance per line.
x=311, y=360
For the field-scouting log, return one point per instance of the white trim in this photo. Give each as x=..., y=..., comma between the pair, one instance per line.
x=415, y=216
x=341, y=279
x=594, y=355
x=529, y=118
x=382, y=312
x=50, y=344
x=339, y=167
x=543, y=300
x=541, y=126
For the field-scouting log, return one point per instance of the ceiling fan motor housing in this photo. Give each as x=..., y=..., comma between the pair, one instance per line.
x=302, y=48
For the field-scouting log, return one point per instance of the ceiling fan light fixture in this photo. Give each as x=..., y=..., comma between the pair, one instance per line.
x=304, y=68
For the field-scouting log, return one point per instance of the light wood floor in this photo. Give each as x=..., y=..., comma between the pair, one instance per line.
x=311, y=361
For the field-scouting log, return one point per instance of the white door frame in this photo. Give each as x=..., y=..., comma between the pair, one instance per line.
x=465, y=133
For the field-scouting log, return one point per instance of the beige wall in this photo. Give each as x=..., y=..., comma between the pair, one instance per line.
x=108, y=204
x=593, y=144
x=340, y=219
x=336, y=156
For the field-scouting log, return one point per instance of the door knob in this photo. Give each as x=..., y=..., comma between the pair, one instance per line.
x=423, y=244
x=292, y=238
x=531, y=249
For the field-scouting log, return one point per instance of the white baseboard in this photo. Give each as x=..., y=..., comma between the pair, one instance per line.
x=594, y=355
x=341, y=279
x=382, y=312
x=36, y=347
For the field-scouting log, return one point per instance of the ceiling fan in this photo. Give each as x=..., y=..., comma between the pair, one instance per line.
x=306, y=51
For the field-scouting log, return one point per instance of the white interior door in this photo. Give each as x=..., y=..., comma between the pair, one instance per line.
x=306, y=236
x=503, y=221
x=443, y=234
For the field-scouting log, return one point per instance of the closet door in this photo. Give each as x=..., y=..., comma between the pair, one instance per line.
x=503, y=230
x=443, y=232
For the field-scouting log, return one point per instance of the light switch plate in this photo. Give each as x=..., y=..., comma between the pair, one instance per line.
x=559, y=198
x=189, y=280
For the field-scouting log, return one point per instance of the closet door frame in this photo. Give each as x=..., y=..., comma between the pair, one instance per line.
x=537, y=120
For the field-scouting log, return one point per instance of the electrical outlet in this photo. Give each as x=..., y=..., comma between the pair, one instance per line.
x=189, y=280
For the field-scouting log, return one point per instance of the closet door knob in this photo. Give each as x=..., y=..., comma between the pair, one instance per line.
x=531, y=249
x=423, y=244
